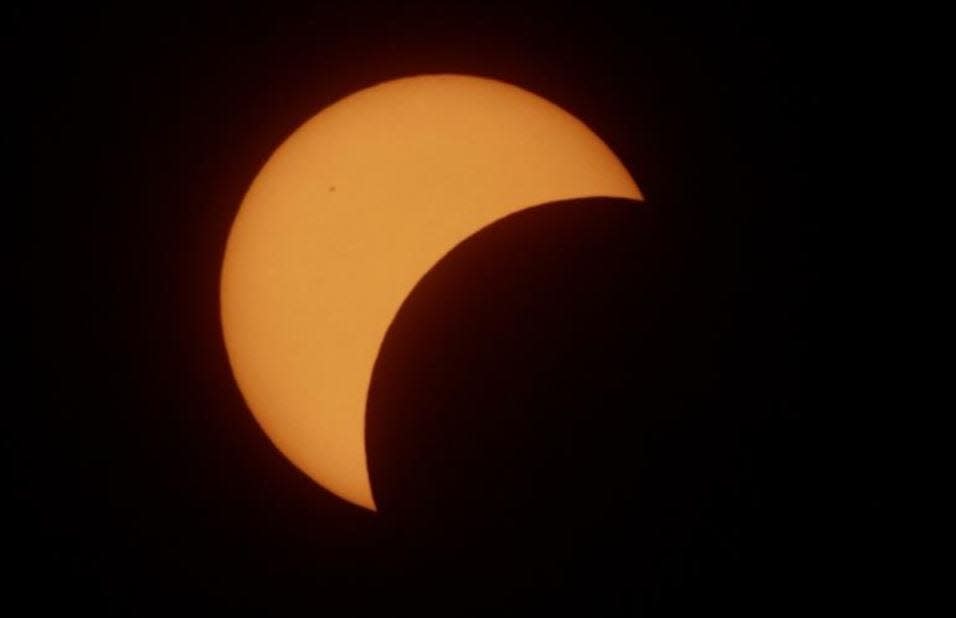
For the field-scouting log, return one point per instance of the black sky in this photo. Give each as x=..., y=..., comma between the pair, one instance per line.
x=141, y=484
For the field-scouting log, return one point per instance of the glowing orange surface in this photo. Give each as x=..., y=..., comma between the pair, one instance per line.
x=345, y=218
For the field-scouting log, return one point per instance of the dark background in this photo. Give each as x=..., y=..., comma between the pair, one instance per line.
x=141, y=484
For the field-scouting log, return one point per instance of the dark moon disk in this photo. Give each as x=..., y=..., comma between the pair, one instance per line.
x=545, y=404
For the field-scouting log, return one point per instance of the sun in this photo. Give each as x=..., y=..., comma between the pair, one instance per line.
x=345, y=218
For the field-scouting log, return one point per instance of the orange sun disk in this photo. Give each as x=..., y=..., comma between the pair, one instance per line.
x=345, y=218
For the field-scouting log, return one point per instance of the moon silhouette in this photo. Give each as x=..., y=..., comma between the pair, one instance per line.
x=346, y=217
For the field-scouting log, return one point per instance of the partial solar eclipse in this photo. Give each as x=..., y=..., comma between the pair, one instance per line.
x=346, y=217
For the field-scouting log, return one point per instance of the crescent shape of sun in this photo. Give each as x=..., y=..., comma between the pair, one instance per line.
x=345, y=218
